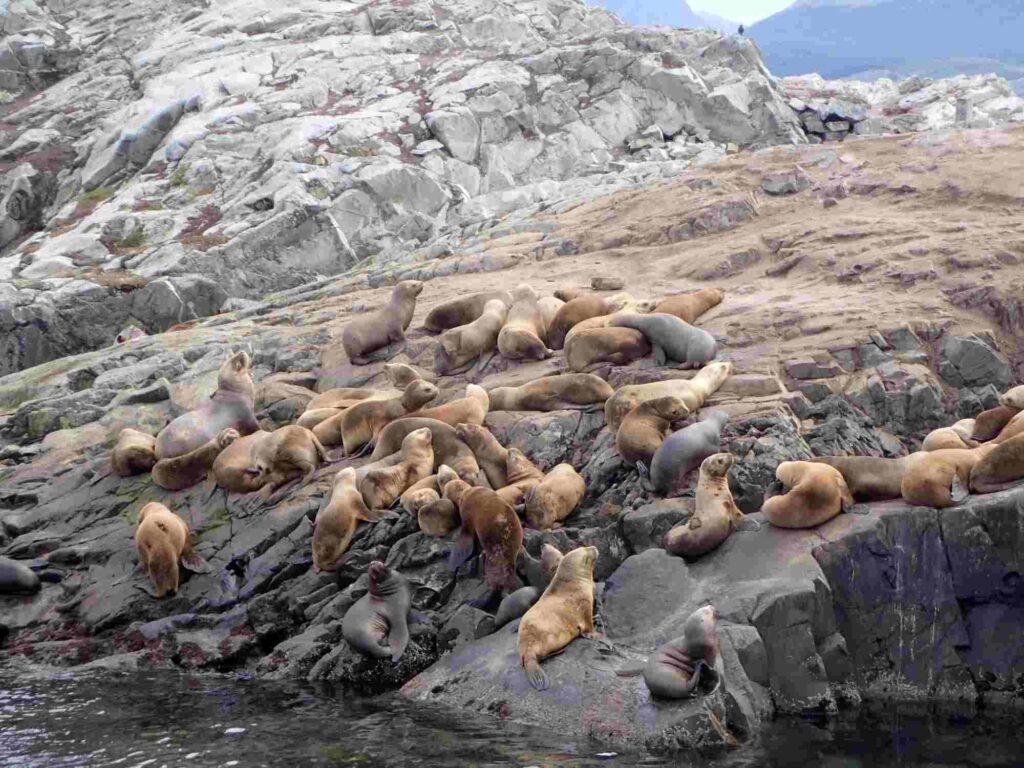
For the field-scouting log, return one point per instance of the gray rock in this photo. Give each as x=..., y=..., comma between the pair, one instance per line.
x=970, y=361
x=786, y=183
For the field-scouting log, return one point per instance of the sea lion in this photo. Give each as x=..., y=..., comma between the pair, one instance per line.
x=463, y=311
x=956, y=436
x=564, y=392
x=618, y=346
x=378, y=623
x=523, y=335
x=336, y=521
x=1013, y=398
x=565, y=610
x=486, y=518
x=515, y=605
x=689, y=306
x=310, y=419
x=1000, y=468
x=645, y=428
x=341, y=398
x=419, y=494
x=448, y=449
x=458, y=347
x=693, y=392
x=381, y=487
x=491, y=455
x=401, y=375
x=471, y=409
x=574, y=312
x=988, y=424
x=521, y=477
x=870, y=478
x=359, y=425
x=162, y=540
x=233, y=469
x=368, y=333
x=17, y=578
x=684, y=450
x=554, y=498
x=185, y=471
x=690, y=663
x=672, y=340
x=816, y=494
x=617, y=304
x=715, y=514
x=287, y=454
x=942, y=479
x=1014, y=427
x=134, y=453
x=549, y=306
x=129, y=333
x=440, y=516
x=569, y=293
x=230, y=406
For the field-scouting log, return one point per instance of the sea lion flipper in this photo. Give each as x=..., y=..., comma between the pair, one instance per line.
x=195, y=562
x=461, y=550
x=538, y=677
x=398, y=639
x=958, y=489
x=642, y=469
x=631, y=670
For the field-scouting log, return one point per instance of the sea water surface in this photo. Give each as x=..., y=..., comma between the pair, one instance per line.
x=168, y=719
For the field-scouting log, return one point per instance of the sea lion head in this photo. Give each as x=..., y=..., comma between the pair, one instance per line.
x=401, y=375
x=469, y=432
x=445, y=475
x=407, y=289
x=345, y=477
x=417, y=441
x=383, y=580
x=1013, y=398
x=578, y=565
x=524, y=292
x=226, y=437
x=701, y=633
x=721, y=418
x=718, y=465
x=417, y=394
x=550, y=557
x=670, y=408
x=235, y=375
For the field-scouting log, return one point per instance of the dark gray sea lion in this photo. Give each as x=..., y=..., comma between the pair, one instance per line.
x=688, y=664
x=16, y=578
x=515, y=605
x=378, y=623
x=685, y=449
x=672, y=339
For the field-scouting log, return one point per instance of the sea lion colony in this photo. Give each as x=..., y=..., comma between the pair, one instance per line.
x=439, y=462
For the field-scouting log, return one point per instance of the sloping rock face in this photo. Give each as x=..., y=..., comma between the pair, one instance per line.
x=260, y=148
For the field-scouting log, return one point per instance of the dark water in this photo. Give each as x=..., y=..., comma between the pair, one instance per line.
x=166, y=719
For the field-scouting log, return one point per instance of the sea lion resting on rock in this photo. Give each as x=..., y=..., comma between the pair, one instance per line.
x=452, y=314
x=521, y=478
x=359, y=425
x=672, y=340
x=230, y=406
x=382, y=487
x=870, y=478
x=574, y=312
x=162, y=540
x=816, y=494
x=440, y=516
x=956, y=436
x=689, y=306
x=684, y=451
x=1013, y=398
x=523, y=335
x=565, y=610
x=516, y=604
x=460, y=346
x=549, y=306
x=554, y=498
x=620, y=303
x=185, y=471
x=471, y=409
x=17, y=578
x=491, y=455
x=1000, y=468
x=134, y=453
x=448, y=449
x=418, y=494
x=1014, y=427
x=715, y=514
x=378, y=623
x=233, y=469
x=645, y=428
x=368, y=333
x=286, y=454
x=336, y=521
x=988, y=424
x=564, y=392
x=693, y=392
x=491, y=521
x=618, y=346
x=941, y=479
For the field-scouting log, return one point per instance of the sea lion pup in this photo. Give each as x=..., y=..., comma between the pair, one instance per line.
x=1000, y=468
x=383, y=486
x=549, y=306
x=684, y=450
x=230, y=406
x=515, y=605
x=870, y=478
x=419, y=494
x=1013, y=398
x=618, y=346
x=440, y=516
x=185, y=471
x=988, y=424
x=163, y=540
x=693, y=392
x=521, y=476
x=554, y=498
x=563, y=392
x=491, y=455
x=378, y=623
x=287, y=454
x=645, y=428
x=336, y=521
x=565, y=610
x=460, y=346
x=956, y=436
x=471, y=409
x=134, y=453
x=689, y=306
x=715, y=514
x=359, y=425
x=574, y=312
x=448, y=449
x=942, y=479
x=233, y=469
x=463, y=311
x=523, y=335
x=368, y=333
x=816, y=494
x=486, y=518
x=672, y=340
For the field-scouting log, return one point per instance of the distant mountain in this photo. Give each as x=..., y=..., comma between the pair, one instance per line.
x=668, y=13
x=841, y=38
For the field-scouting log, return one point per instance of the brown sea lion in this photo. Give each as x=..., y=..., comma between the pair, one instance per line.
x=163, y=540
x=463, y=311
x=419, y=494
x=563, y=392
x=134, y=453
x=523, y=335
x=988, y=424
x=448, y=448
x=486, y=518
x=1013, y=398
x=230, y=406
x=1014, y=427
x=368, y=333
x=684, y=450
x=693, y=392
x=233, y=468
x=460, y=346
x=378, y=623
x=439, y=516
x=549, y=306
x=1000, y=468
x=521, y=476
x=645, y=428
x=382, y=487
x=673, y=341
x=185, y=471
x=341, y=398
x=815, y=494
x=401, y=375
x=554, y=498
x=870, y=478
x=471, y=409
x=619, y=303
x=491, y=455
x=336, y=521
x=565, y=610
x=573, y=313
x=942, y=479
x=618, y=346
x=359, y=425
x=689, y=306
x=287, y=454
x=957, y=436
x=568, y=294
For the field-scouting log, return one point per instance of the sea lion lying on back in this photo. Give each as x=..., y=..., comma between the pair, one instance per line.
x=287, y=454
x=463, y=311
x=368, y=333
x=693, y=392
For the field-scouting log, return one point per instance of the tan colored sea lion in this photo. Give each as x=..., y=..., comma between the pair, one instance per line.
x=486, y=518
x=565, y=610
x=645, y=428
x=310, y=419
x=460, y=346
x=491, y=455
x=1013, y=398
x=471, y=409
x=693, y=392
x=418, y=494
x=673, y=341
x=569, y=293
x=134, y=453
x=956, y=436
x=382, y=487
x=563, y=392
x=162, y=540
x=230, y=406
x=523, y=335
x=618, y=304
x=233, y=468
x=618, y=346
x=988, y=424
x=463, y=311
x=401, y=375
x=521, y=475
x=448, y=448
x=870, y=478
x=378, y=623
x=336, y=521
x=341, y=398
x=359, y=425
x=1000, y=468
x=1014, y=427
x=287, y=454
x=185, y=471
x=815, y=494
x=549, y=306
x=371, y=332
x=438, y=516
x=554, y=498
x=574, y=312
x=942, y=479
x=689, y=306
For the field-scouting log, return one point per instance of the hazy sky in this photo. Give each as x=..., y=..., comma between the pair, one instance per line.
x=747, y=11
